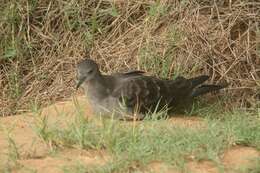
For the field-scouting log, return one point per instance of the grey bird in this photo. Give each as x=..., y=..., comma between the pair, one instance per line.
x=132, y=95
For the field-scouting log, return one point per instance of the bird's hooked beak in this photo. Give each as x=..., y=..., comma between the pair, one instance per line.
x=80, y=81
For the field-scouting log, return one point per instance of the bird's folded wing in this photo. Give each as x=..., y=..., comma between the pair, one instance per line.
x=143, y=91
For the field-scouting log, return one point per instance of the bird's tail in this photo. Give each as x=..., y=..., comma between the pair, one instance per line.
x=203, y=89
x=198, y=80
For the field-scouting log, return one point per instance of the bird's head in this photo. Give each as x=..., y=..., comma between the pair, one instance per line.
x=87, y=70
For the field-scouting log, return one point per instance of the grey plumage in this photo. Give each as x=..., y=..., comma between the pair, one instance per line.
x=124, y=94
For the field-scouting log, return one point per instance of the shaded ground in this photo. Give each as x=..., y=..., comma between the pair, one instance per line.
x=23, y=151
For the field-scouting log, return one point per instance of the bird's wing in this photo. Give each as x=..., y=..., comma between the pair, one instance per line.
x=181, y=84
x=135, y=72
x=144, y=92
x=129, y=74
x=149, y=93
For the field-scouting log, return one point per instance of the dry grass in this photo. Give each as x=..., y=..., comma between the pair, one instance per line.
x=40, y=43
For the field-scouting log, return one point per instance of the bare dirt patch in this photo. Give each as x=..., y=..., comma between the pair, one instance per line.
x=66, y=158
x=202, y=167
x=20, y=131
x=34, y=153
x=70, y=107
x=240, y=157
x=157, y=166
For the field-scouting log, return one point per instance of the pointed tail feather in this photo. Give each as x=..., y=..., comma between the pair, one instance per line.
x=203, y=89
x=198, y=80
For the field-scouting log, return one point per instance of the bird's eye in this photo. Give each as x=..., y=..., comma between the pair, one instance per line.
x=90, y=71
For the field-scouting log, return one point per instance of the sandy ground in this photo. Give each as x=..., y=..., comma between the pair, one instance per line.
x=36, y=155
